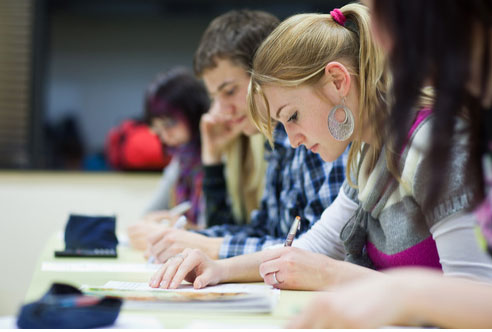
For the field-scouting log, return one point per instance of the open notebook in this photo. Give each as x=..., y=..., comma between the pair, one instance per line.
x=225, y=297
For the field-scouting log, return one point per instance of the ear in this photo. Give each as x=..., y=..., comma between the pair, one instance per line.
x=337, y=78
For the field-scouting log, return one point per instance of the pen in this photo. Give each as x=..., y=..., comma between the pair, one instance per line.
x=296, y=225
x=181, y=208
x=180, y=224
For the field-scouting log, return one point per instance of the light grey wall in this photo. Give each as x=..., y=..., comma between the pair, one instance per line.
x=36, y=206
x=99, y=67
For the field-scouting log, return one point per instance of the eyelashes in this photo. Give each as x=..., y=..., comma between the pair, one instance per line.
x=293, y=117
x=230, y=92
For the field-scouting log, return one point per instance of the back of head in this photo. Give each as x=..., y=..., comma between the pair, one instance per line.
x=235, y=35
x=298, y=50
x=177, y=93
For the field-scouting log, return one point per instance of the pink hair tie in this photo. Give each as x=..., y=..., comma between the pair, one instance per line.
x=338, y=17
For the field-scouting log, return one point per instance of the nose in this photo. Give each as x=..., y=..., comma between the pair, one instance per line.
x=225, y=109
x=165, y=135
x=295, y=138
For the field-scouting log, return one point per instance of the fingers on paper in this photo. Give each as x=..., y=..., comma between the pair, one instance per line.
x=156, y=279
x=162, y=278
x=193, y=260
x=203, y=279
x=168, y=280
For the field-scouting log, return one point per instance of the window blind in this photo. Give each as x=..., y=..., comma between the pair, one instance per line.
x=15, y=81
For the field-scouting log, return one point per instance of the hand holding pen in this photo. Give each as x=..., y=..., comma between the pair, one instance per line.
x=180, y=224
x=272, y=262
x=295, y=268
x=299, y=269
x=154, y=222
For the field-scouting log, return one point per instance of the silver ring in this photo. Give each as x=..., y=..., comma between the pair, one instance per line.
x=275, y=278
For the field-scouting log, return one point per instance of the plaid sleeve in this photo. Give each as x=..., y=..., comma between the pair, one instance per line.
x=319, y=183
x=235, y=245
x=221, y=230
x=239, y=240
x=254, y=228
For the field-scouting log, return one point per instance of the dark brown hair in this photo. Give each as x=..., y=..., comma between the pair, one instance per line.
x=432, y=41
x=177, y=93
x=234, y=35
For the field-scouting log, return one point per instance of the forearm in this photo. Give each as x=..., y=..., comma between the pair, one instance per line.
x=340, y=272
x=448, y=302
x=244, y=268
x=464, y=261
x=210, y=154
x=213, y=247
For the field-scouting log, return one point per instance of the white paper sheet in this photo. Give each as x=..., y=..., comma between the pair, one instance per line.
x=223, y=288
x=98, y=267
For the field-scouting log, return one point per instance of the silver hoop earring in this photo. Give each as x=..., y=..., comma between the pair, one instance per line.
x=344, y=129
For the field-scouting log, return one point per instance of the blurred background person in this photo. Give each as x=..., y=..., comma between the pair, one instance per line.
x=174, y=104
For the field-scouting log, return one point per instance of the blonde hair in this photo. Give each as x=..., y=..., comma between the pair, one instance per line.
x=298, y=50
x=245, y=173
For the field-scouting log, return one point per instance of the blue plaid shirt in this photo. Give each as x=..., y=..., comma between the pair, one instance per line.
x=298, y=183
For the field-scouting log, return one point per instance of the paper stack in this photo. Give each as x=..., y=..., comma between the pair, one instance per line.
x=226, y=297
